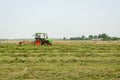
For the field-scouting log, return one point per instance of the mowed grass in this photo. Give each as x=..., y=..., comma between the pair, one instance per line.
x=63, y=61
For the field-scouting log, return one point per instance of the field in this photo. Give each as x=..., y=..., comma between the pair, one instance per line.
x=65, y=60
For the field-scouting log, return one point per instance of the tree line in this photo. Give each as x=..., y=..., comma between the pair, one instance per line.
x=102, y=37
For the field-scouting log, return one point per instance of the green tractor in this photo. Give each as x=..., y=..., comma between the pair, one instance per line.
x=42, y=39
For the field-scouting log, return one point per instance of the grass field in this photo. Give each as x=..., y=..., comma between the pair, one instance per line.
x=65, y=60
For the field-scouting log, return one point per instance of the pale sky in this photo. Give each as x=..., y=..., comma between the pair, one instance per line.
x=59, y=18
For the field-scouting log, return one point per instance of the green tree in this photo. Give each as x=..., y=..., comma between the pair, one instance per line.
x=95, y=36
x=100, y=36
x=105, y=36
x=64, y=38
x=83, y=37
x=90, y=37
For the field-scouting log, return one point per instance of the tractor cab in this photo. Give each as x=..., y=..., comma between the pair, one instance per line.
x=42, y=39
x=40, y=35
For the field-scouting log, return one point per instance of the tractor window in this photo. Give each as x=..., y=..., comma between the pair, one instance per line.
x=42, y=36
x=37, y=35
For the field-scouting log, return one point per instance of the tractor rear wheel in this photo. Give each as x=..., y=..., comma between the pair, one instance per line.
x=37, y=42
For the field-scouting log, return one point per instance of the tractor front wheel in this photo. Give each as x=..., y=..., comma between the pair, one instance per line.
x=47, y=44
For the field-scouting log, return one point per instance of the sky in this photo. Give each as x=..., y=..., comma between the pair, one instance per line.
x=59, y=18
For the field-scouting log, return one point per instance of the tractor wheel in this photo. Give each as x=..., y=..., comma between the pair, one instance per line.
x=49, y=44
x=37, y=42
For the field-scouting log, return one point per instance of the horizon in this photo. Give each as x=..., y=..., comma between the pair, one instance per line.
x=55, y=38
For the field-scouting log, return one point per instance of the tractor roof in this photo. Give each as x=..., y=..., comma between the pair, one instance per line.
x=39, y=33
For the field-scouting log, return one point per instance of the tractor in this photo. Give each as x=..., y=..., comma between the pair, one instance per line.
x=42, y=39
